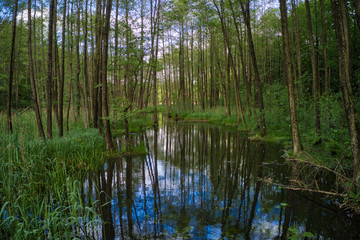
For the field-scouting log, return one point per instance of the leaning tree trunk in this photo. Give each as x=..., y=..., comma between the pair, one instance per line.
x=246, y=14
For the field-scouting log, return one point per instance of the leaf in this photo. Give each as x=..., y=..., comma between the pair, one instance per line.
x=3, y=208
x=308, y=234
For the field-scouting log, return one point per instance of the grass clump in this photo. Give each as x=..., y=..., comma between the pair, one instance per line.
x=41, y=181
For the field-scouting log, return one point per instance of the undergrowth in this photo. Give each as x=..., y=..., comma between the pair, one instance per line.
x=335, y=141
x=41, y=181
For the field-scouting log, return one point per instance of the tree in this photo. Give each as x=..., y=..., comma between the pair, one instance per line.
x=315, y=72
x=341, y=25
x=50, y=66
x=288, y=72
x=106, y=110
x=246, y=14
x=62, y=77
x=32, y=78
x=11, y=73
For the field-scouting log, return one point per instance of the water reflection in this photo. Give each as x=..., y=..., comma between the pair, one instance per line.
x=202, y=182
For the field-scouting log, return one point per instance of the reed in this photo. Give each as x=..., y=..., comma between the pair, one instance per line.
x=41, y=181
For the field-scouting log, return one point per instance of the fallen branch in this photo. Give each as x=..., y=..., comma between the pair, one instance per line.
x=317, y=165
x=269, y=181
x=24, y=110
x=316, y=191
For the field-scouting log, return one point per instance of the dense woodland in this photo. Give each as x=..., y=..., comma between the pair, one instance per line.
x=292, y=65
x=78, y=76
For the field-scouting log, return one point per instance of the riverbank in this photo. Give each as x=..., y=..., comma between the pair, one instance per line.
x=332, y=154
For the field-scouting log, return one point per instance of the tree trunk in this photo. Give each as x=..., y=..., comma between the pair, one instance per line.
x=315, y=72
x=231, y=63
x=182, y=64
x=86, y=71
x=11, y=73
x=323, y=39
x=32, y=78
x=286, y=41
x=106, y=111
x=62, y=77
x=297, y=40
x=246, y=14
x=50, y=66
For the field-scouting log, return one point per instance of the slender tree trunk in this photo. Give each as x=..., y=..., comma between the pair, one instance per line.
x=141, y=91
x=323, y=39
x=315, y=72
x=86, y=71
x=18, y=63
x=12, y=59
x=116, y=80
x=231, y=63
x=297, y=39
x=70, y=54
x=246, y=14
x=56, y=68
x=106, y=110
x=182, y=64
x=32, y=78
x=128, y=78
x=50, y=66
x=62, y=77
x=34, y=54
x=97, y=63
x=286, y=41
x=81, y=92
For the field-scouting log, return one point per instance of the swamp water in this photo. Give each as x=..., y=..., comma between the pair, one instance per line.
x=201, y=182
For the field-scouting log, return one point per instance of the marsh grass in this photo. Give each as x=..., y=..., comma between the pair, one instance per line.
x=40, y=181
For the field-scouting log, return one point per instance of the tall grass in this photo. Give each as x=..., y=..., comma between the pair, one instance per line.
x=40, y=181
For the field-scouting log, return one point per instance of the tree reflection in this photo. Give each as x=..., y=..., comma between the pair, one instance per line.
x=198, y=181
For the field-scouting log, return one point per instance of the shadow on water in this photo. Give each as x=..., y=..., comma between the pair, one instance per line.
x=202, y=182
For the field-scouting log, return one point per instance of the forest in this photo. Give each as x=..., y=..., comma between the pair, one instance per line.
x=79, y=79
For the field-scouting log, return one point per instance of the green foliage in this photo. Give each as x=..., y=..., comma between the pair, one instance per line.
x=138, y=119
x=352, y=197
x=293, y=234
x=41, y=181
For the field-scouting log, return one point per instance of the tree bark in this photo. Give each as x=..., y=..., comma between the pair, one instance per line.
x=11, y=73
x=32, y=78
x=50, y=66
x=297, y=147
x=315, y=72
x=106, y=111
x=246, y=14
x=62, y=77
x=323, y=39
x=86, y=71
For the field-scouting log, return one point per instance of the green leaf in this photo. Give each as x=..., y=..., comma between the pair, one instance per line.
x=308, y=234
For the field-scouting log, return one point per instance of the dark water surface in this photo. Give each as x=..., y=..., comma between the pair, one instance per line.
x=201, y=182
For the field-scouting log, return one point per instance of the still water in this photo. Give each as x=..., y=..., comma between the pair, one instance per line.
x=204, y=182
